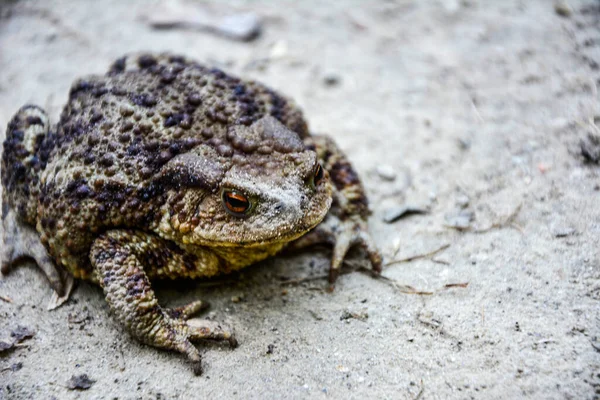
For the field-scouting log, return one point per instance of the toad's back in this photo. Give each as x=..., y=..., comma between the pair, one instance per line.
x=98, y=168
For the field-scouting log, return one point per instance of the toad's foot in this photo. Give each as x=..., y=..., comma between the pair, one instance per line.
x=21, y=241
x=341, y=235
x=120, y=259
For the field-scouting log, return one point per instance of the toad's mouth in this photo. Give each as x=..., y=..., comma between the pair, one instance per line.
x=249, y=240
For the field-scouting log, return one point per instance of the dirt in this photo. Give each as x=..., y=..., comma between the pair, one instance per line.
x=475, y=108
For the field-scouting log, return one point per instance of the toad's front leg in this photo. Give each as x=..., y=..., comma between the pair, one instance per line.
x=346, y=223
x=123, y=261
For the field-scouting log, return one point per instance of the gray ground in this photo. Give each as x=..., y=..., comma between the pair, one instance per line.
x=479, y=105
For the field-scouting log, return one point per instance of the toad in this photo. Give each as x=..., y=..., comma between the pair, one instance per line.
x=165, y=168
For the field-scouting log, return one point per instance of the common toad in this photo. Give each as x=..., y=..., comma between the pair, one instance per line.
x=164, y=168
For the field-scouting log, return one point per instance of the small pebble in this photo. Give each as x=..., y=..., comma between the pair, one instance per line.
x=563, y=232
x=244, y=27
x=386, y=172
x=460, y=220
x=16, y=366
x=464, y=144
x=562, y=8
x=22, y=333
x=331, y=79
x=5, y=345
x=395, y=213
x=80, y=382
x=462, y=201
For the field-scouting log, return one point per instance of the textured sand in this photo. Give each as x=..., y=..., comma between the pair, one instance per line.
x=478, y=102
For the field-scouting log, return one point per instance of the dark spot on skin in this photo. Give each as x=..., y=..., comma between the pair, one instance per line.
x=112, y=146
x=183, y=120
x=217, y=73
x=174, y=148
x=151, y=146
x=99, y=91
x=118, y=91
x=219, y=84
x=88, y=158
x=110, y=195
x=48, y=223
x=79, y=86
x=34, y=120
x=133, y=150
x=93, y=139
x=167, y=76
x=95, y=116
x=118, y=66
x=106, y=160
x=145, y=100
x=69, y=131
x=135, y=288
x=133, y=204
x=239, y=90
x=343, y=175
x=195, y=99
x=190, y=143
x=278, y=105
x=149, y=192
x=146, y=61
x=142, y=311
x=189, y=261
x=19, y=171
x=164, y=157
x=127, y=126
x=177, y=59
x=18, y=135
x=83, y=191
x=247, y=121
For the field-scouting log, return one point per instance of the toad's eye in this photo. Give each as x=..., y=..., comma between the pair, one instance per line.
x=236, y=203
x=318, y=174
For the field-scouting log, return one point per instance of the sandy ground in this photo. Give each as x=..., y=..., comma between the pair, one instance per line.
x=477, y=107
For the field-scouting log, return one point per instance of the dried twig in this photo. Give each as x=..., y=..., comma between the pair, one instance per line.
x=419, y=256
x=406, y=289
x=6, y=299
x=454, y=285
x=420, y=394
x=479, y=117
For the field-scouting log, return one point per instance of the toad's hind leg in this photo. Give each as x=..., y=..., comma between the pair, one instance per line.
x=123, y=261
x=23, y=160
x=21, y=241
